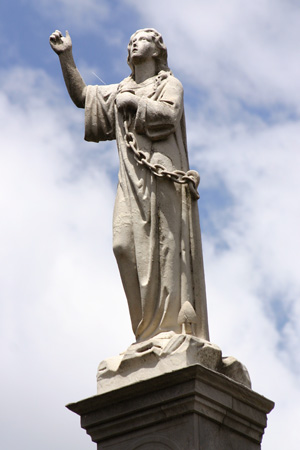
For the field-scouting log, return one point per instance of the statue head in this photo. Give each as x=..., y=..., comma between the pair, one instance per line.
x=161, y=57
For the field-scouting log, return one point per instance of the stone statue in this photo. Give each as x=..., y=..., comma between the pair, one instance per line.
x=156, y=231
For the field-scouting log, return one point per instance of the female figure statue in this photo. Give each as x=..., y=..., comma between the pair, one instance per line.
x=156, y=231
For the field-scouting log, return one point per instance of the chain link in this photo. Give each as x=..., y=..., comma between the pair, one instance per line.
x=191, y=177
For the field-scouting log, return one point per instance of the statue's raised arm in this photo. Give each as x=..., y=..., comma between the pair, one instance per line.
x=62, y=46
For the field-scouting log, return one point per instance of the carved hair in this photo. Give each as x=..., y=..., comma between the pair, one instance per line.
x=161, y=59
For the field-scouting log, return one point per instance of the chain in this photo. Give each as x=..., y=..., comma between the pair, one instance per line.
x=191, y=177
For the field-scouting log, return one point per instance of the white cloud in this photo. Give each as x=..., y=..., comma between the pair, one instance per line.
x=60, y=292
x=249, y=51
x=253, y=280
x=85, y=15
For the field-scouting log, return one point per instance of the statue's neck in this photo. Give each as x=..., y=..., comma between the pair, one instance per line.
x=146, y=69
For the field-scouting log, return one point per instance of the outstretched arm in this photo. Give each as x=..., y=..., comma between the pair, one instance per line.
x=74, y=82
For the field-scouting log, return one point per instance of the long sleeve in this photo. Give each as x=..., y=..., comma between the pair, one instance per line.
x=100, y=113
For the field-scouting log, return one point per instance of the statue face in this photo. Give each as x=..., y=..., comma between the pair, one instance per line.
x=142, y=48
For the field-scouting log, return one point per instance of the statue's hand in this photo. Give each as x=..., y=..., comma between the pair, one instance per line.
x=59, y=43
x=126, y=101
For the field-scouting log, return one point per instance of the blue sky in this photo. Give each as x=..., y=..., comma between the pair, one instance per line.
x=62, y=305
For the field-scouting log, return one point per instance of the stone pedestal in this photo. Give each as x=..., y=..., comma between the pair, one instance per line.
x=189, y=409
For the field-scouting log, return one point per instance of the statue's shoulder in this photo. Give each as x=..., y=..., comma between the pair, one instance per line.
x=101, y=90
x=168, y=77
x=125, y=83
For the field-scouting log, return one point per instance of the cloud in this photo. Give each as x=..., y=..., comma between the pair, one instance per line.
x=85, y=15
x=236, y=51
x=101, y=18
x=59, y=294
x=259, y=170
x=251, y=250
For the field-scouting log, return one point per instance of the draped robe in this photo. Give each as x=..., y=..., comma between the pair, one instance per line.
x=156, y=230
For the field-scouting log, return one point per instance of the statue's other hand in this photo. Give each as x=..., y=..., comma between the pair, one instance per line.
x=59, y=43
x=126, y=101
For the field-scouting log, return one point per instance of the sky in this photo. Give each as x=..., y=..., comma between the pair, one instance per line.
x=63, y=309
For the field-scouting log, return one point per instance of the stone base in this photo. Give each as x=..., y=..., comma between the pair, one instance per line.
x=189, y=409
x=165, y=353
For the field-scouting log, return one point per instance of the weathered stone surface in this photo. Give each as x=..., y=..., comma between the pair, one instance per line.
x=155, y=357
x=156, y=230
x=189, y=409
x=165, y=353
x=235, y=370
